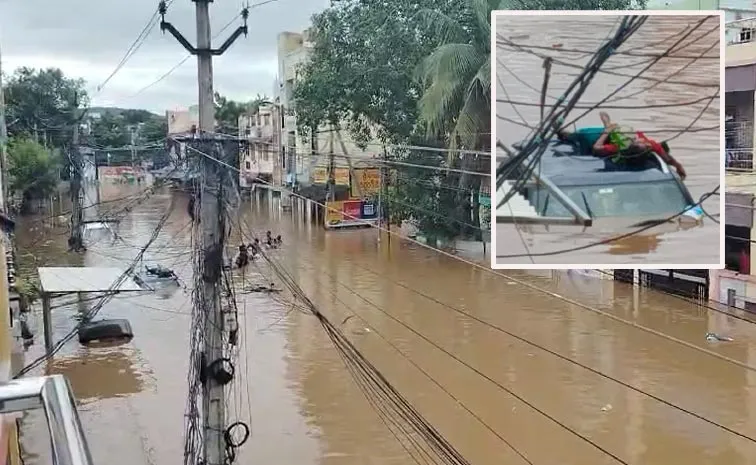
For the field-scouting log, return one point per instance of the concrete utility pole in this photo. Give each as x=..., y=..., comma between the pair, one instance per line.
x=134, y=133
x=211, y=206
x=3, y=146
x=76, y=241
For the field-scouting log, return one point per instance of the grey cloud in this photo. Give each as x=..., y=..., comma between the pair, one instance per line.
x=87, y=38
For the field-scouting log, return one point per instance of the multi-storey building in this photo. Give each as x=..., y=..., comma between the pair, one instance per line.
x=262, y=157
x=735, y=285
x=305, y=160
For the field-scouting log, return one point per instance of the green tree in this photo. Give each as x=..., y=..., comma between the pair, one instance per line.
x=33, y=170
x=109, y=130
x=227, y=111
x=42, y=104
x=361, y=76
x=414, y=73
x=360, y=71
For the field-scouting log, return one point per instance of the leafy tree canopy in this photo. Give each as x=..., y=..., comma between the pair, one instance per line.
x=418, y=72
x=227, y=111
x=43, y=102
x=33, y=169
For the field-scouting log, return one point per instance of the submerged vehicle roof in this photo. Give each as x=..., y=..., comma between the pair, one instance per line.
x=565, y=167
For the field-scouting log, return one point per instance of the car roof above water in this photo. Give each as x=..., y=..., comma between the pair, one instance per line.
x=565, y=168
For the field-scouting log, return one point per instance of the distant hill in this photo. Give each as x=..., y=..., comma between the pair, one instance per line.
x=115, y=111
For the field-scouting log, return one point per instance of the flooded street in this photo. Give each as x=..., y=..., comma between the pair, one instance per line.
x=670, y=100
x=488, y=359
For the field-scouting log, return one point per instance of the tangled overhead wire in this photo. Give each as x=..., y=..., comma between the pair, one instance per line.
x=110, y=293
x=621, y=236
x=521, y=165
x=536, y=145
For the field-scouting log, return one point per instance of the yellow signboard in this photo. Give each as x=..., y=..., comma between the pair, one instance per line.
x=366, y=182
x=340, y=176
x=320, y=175
x=334, y=212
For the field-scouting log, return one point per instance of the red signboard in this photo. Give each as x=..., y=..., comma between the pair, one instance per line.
x=352, y=209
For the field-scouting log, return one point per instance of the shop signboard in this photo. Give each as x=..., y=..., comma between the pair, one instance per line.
x=369, y=211
x=366, y=182
x=349, y=213
x=340, y=175
x=320, y=175
x=352, y=210
x=333, y=213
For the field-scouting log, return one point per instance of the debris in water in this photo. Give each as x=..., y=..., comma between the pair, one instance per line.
x=714, y=337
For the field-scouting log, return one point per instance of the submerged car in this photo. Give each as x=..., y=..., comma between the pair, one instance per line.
x=641, y=190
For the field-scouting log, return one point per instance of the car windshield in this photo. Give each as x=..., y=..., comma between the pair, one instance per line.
x=634, y=199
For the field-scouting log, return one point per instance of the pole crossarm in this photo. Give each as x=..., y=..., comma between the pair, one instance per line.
x=166, y=26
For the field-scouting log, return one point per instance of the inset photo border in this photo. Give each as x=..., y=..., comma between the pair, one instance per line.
x=608, y=139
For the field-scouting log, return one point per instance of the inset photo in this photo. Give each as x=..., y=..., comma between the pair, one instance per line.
x=608, y=137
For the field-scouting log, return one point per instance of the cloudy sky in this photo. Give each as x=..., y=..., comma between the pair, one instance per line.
x=88, y=38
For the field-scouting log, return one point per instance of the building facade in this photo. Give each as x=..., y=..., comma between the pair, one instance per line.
x=735, y=285
x=306, y=159
x=262, y=158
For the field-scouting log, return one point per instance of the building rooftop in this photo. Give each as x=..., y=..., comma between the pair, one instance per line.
x=71, y=279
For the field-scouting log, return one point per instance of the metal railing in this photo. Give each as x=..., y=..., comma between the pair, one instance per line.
x=741, y=31
x=54, y=395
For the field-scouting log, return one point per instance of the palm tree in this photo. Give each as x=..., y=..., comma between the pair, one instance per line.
x=456, y=103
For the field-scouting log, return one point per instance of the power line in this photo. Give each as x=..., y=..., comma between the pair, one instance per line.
x=531, y=286
x=138, y=42
x=186, y=58
x=551, y=352
x=105, y=299
x=475, y=370
x=615, y=238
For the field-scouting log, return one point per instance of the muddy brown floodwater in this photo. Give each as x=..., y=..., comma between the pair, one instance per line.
x=303, y=407
x=570, y=41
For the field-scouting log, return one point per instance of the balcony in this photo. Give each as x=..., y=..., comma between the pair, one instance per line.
x=53, y=395
x=741, y=42
x=739, y=146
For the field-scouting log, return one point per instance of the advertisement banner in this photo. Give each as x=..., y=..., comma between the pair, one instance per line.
x=352, y=210
x=320, y=175
x=366, y=182
x=333, y=213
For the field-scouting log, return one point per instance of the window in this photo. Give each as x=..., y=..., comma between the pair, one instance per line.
x=252, y=153
x=248, y=165
x=746, y=34
x=265, y=155
x=266, y=120
x=634, y=199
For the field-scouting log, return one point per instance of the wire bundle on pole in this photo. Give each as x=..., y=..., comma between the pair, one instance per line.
x=420, y=439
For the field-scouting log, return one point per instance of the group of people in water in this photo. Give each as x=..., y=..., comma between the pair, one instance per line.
x=250, y=251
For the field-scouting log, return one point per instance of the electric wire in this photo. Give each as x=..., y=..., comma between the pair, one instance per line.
x=468, y=366
x=186, y=58
x=618, y=237
x=486, y=268
x=92, y=312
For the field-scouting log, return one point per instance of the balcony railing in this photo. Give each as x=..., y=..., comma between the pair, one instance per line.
x=53, y=395
x=741, y=31
x=739, y=145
